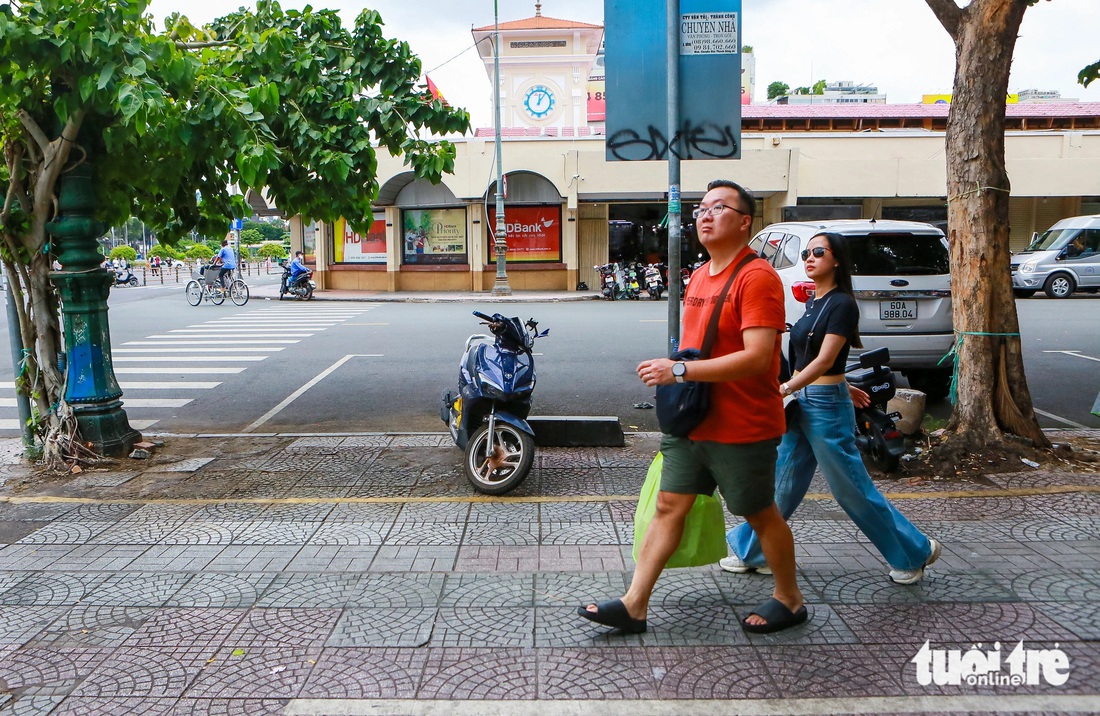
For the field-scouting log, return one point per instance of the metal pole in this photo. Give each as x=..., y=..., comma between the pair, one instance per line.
x=500, y=243
x=673, y=49
x=15, y=338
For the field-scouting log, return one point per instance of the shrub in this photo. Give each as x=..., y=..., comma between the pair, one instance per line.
x=123, y=252
x=275, y=251
x=200, y=251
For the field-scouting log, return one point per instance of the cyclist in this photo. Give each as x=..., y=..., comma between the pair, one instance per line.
x=225, y=260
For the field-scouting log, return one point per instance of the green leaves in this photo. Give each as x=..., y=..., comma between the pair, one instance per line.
x=292, y=102
x=1089, y=74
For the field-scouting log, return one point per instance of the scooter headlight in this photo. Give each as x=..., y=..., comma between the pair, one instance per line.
x=490, y=389
x=1028, y=267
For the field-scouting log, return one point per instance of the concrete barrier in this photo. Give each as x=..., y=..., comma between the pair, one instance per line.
x=577, y=431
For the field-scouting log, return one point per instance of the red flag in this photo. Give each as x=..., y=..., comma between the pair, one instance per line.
x=436, y=94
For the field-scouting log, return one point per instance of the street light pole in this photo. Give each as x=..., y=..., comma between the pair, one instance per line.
x=500, y=243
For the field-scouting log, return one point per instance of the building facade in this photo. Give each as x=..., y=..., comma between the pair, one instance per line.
x=568, y=209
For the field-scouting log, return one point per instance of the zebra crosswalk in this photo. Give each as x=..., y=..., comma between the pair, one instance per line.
x=207, y=354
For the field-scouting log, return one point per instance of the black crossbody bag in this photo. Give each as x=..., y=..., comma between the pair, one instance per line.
x=681, y=407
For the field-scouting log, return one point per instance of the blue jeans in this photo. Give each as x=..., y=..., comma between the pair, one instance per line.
x=824, y=434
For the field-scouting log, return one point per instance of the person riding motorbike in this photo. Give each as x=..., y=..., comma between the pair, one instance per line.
x=297, y=268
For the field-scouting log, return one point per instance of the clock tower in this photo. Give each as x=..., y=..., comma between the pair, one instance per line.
x=544, y=68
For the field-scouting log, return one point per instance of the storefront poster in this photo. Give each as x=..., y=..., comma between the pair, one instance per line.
x=434, y=236
x=309, y=242
x=534, y=233
x=354, y=248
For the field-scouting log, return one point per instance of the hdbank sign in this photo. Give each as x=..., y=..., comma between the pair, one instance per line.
x=636, y=58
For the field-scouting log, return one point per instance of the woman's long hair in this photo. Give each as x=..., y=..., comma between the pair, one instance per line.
x=843, y=275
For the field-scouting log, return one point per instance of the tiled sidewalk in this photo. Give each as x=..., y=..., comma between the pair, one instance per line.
x=361, y=574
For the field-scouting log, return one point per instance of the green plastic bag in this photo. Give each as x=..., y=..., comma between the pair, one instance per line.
x=704, y=540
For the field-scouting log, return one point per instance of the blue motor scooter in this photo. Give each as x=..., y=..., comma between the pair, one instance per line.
x=487, y=416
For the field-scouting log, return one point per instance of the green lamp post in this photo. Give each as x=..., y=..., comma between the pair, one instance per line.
x=90, y=385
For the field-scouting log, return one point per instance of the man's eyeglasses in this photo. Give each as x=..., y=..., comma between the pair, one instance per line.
x=817, y=251
x=714, y=211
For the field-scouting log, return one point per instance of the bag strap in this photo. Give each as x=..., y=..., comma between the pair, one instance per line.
x=712, y=326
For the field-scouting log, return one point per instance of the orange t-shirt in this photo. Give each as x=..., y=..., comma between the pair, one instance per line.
x=751, y=409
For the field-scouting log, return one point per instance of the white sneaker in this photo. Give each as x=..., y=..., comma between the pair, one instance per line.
x=912, y=576
x=736, y=566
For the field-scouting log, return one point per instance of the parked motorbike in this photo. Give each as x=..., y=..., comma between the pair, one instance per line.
x=301, y=287
x=654, y=283
x=487, y=415
x=632, y=288
x=609, y=282
x=125, y=277
x=877, y=434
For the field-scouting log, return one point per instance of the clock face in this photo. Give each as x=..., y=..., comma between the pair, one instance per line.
x=539, y=101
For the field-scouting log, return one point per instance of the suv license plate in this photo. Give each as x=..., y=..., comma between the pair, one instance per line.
x=897, y=310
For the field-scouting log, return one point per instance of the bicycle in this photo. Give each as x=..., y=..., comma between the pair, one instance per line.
x=206, y=286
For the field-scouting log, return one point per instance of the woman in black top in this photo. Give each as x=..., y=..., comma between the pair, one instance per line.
x=823, y=431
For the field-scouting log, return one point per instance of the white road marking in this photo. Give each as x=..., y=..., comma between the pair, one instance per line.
x=185, y=359
x=131, y=402
x=1075, y=354
x=239, y=349
x=176, y=371
x=169, y=385
x=155, y=402
x=296, y=394
x=1060, y=419
x=223, y=332
x=222, y=341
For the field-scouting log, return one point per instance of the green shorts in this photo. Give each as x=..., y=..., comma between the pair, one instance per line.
x=744, y=473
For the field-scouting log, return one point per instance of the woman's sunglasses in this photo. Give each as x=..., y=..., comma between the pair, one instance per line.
x=817, y=251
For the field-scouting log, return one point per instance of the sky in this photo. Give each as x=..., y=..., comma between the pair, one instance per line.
x=896, y=45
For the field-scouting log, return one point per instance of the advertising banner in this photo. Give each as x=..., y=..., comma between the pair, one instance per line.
x=534, y=234
x=636, y=60
x=434, y=236
x=597, y=95
x=309, y=241
x=355, y=248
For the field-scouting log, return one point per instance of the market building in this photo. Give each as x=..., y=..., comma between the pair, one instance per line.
x=569, y=209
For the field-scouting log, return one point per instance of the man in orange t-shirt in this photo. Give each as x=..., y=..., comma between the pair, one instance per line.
x=734, y=448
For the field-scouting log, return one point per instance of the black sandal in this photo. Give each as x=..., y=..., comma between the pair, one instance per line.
x=778, y=617
x=614, y=614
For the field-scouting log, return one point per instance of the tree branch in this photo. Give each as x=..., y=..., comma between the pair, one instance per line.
x=34, y=130
x=949, y=14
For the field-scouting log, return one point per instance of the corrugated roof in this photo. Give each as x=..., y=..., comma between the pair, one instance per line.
x=541, y=22
x=908, y=111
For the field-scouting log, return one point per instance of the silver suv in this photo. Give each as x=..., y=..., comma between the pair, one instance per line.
x=902, y=281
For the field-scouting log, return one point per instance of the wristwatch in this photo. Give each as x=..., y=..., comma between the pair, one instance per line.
x=679, y=370
x=786, y=389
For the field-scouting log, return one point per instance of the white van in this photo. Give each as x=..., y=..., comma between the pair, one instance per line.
x=1064, y=259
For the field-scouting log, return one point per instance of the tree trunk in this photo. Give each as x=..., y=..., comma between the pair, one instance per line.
x=993, y=396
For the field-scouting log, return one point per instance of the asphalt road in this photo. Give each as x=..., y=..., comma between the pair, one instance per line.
x=351, y=366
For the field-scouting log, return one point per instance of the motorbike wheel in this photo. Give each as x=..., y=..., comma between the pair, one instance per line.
x=517, y=453
x=880, y=456
x=194, y=293
x=238, y=292
x=614, y=293
x=655, y=294
x=133, y=281
x=306, y=294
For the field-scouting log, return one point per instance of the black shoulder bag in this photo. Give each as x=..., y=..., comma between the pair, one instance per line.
x=681, y=407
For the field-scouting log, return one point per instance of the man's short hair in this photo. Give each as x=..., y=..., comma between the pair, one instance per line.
x=748, y=201
x=225, y=242
x=298, y=253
